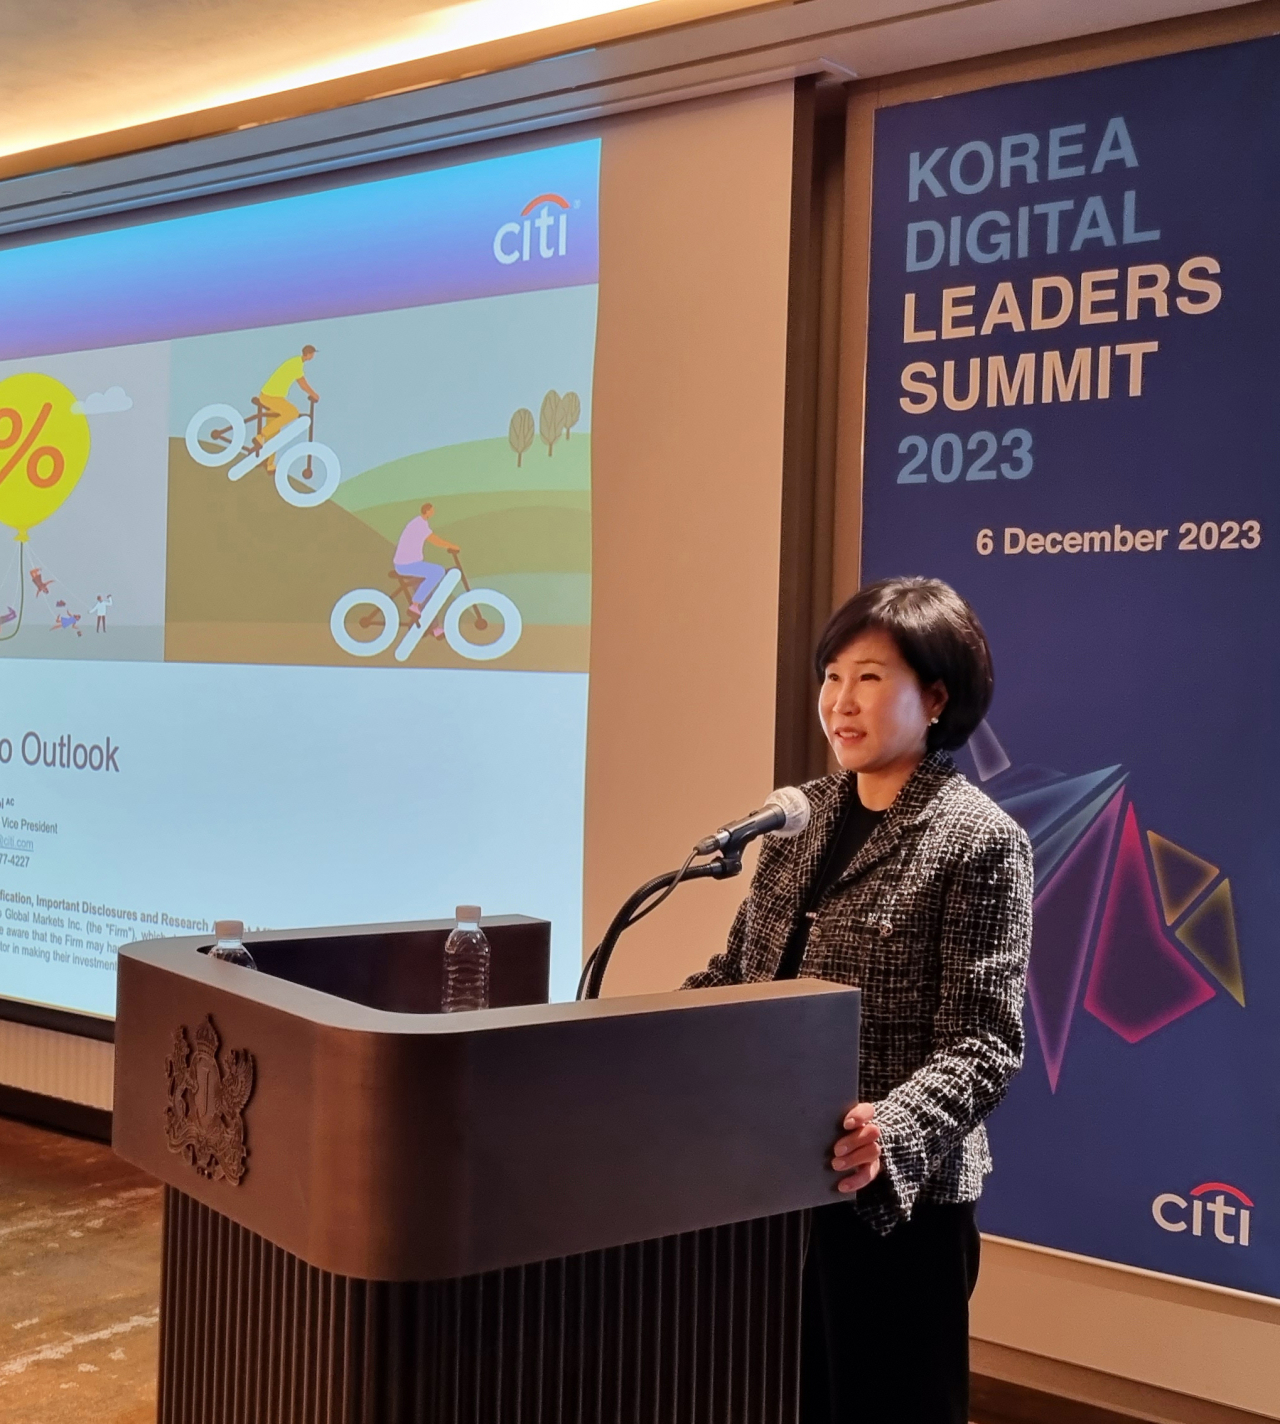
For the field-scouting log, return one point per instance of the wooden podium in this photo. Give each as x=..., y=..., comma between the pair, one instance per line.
x=566, y=1213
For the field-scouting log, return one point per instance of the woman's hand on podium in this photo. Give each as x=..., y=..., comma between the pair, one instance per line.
x=858, y=1152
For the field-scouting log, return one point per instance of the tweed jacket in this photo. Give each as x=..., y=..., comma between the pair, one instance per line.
x=932, y=920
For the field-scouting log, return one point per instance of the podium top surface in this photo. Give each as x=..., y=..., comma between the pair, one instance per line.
x=393, y=1145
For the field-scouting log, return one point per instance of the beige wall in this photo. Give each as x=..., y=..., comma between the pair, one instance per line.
x=1067, y=1324
x=1042, y=1318
x=58, y=1065
x=687, y=490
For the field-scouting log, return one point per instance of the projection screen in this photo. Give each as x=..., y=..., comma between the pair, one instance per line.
x=297, y=548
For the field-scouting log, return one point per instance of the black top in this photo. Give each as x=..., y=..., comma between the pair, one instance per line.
x=853, y=832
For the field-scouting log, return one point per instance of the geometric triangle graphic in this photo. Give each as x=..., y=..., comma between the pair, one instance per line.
x=1139, y=982
x=989, y=757
x=1065, y=912
x=1035, y=811
x=1024, y=778
x=1180, y=875
x=1052, y=849
x=1210, y=934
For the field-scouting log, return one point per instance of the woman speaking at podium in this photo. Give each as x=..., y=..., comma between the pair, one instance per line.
x=913, y=885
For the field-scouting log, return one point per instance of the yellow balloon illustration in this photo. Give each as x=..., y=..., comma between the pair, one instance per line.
x=44, y=447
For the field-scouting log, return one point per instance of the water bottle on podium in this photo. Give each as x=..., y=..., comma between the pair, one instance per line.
x=466, y=964
x=229, y=935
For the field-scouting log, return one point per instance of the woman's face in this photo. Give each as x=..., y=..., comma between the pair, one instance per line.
x=874, y=712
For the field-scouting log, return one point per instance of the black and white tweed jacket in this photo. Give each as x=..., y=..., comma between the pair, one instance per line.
x=932, y=920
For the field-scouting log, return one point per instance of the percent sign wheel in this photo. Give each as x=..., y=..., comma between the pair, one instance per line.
x=354, y=646
x=232, y=432
x=315, y=453
x=512, y=623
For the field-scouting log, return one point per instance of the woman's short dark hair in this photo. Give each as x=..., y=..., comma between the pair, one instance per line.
x=940, y=640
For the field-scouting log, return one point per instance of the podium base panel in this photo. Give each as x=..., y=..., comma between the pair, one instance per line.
x=701, y=1328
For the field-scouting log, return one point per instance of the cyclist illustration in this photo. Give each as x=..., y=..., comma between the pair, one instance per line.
x=427, y=588
x=410, y=563
x=307, y=472
x=274, y=399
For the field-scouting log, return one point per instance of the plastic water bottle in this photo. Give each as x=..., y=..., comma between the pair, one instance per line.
x=230, y=946
x=466, y=964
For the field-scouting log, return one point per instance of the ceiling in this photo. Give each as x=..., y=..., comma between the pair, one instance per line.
x=74, y=67
x=86, y=79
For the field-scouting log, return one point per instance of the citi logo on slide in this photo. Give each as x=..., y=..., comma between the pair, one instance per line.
x=1229, y=1220
x=542, y=232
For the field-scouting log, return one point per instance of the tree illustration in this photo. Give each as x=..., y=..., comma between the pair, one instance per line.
x=520, y=433
x=571, y=410
x=551, y=420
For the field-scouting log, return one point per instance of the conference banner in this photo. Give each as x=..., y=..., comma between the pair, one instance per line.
x=1072, y=416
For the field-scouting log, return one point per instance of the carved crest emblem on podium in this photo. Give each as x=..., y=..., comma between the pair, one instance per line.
x=208, y=1090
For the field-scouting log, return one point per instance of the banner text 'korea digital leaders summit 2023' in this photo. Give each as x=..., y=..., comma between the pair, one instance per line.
x=1072, y=417
x=295, y=566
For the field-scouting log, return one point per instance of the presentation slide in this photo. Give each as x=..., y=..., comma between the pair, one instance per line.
x=295, y=566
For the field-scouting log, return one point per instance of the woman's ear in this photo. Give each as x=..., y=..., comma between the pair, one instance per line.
x=935, y=699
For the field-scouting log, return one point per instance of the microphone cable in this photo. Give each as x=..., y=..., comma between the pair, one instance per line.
x=679, y=876
x=635, y=918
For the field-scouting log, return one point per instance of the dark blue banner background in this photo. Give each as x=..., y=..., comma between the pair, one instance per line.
x=1138, y=689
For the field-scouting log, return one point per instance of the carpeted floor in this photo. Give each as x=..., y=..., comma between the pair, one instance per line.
x=79, y=1282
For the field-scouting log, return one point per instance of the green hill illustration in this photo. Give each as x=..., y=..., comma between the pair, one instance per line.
x=525, y=530
x=473, y=467
x=253, y=579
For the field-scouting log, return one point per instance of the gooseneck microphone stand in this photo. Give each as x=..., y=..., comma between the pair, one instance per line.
x=723, y=867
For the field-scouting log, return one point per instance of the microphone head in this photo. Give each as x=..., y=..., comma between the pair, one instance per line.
x=794, y=804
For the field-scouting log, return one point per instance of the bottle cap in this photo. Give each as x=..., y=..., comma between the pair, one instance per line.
x=468, y=912
x=229, y=929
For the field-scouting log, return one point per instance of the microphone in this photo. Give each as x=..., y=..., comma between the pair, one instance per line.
x=785, y=813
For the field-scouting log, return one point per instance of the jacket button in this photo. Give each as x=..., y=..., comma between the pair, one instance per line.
x=886, y=928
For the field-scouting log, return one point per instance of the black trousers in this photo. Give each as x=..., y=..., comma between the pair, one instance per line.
x=885, y=1325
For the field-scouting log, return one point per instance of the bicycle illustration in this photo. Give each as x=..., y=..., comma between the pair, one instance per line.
x=387, y=615
x=218, y=434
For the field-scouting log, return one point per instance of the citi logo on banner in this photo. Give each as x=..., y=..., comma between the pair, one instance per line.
x=515, y=241
x=1230, y=1221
